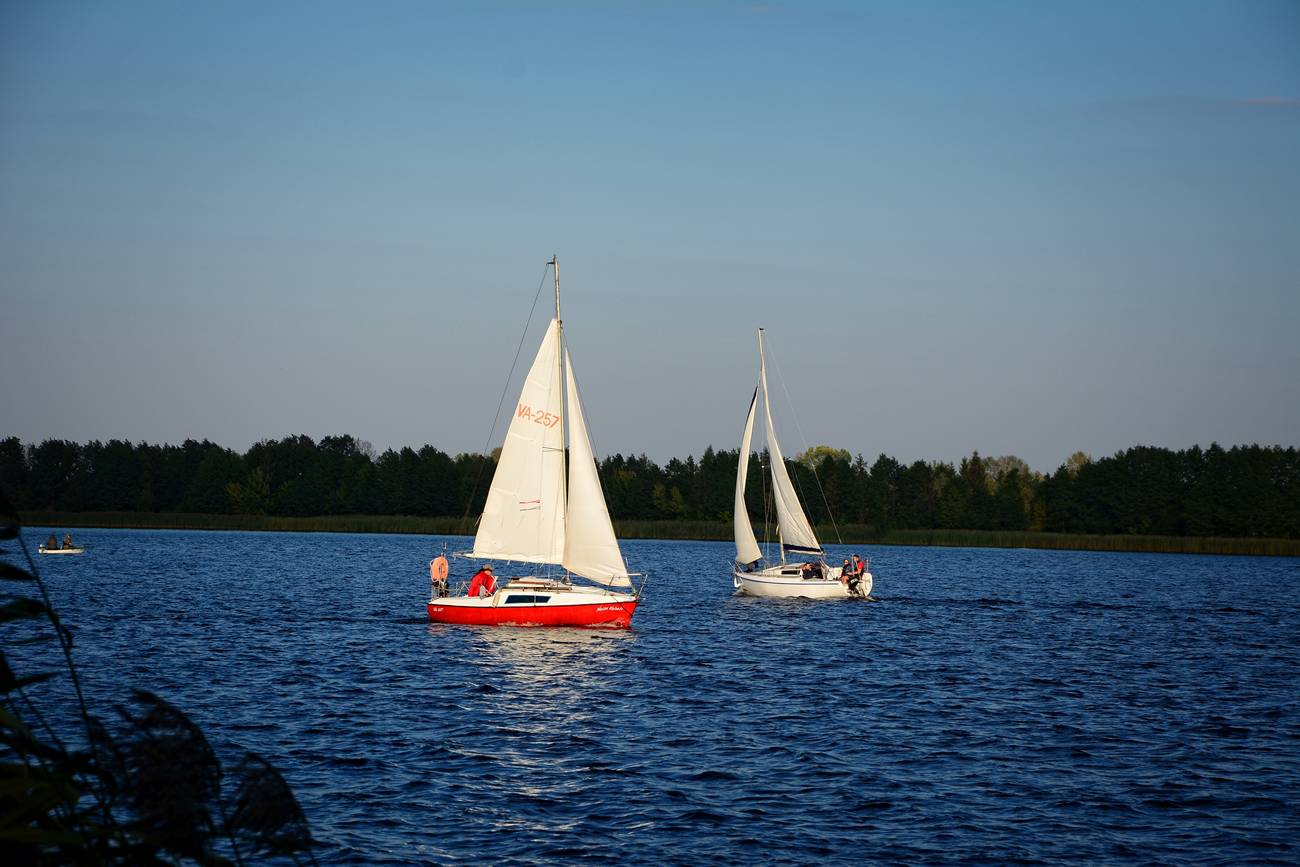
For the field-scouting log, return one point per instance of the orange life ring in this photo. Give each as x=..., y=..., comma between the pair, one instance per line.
x=438, y=569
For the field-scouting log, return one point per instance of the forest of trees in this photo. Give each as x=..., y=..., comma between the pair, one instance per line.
x=1251, y=491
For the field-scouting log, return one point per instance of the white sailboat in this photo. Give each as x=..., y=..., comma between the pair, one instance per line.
x=810, y=576
x=530, y=517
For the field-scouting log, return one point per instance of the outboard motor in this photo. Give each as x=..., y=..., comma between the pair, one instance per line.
x=855, y=585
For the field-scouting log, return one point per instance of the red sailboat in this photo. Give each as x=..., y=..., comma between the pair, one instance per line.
x=542, y=513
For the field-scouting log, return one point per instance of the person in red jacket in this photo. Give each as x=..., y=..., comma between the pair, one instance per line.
x=483, y=584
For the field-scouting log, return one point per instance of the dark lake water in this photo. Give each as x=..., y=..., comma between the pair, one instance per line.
x=992, y=706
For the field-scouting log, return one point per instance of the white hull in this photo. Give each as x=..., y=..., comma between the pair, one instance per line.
x=43, y=550
x=784, y=582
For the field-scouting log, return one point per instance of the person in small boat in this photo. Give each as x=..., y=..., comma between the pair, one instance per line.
x=52, y=543
x=482, y=584
x=67, y=541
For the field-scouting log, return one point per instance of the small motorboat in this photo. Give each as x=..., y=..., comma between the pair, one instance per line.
x=43, y=550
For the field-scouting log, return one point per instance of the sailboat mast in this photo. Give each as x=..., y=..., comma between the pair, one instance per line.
x=772, y=459
x=555, y=263
x=565, y=409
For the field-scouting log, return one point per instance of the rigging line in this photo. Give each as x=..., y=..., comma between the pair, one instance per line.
x=811, y=464
x=504, y=391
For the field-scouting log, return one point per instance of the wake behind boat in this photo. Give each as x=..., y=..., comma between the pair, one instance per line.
x=813, y=577
x=530, y=518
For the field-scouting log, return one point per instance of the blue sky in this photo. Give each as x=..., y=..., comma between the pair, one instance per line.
x=1025, y=228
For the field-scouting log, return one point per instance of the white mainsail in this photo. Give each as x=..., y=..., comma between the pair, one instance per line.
x=523, y=518
x=796, y=534
x=747, y=550
x=590, y=547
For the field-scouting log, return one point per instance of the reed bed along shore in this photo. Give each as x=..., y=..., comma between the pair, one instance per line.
x=439, y=526
x=696, y=530
x=862, y=534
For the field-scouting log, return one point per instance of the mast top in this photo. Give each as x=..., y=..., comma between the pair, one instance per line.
x=555, y=263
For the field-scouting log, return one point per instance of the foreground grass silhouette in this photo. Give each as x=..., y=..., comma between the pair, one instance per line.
x=147, y=789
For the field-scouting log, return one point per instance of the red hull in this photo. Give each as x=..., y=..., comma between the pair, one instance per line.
x=611, y=615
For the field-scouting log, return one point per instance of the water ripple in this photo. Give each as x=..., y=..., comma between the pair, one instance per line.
x=1011, y=707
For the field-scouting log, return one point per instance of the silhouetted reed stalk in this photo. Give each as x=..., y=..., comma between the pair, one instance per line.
x=144, y=796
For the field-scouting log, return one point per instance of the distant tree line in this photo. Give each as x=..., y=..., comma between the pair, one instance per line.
x=1242, y=491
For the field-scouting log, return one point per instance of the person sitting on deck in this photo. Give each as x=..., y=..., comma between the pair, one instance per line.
x=52, y=543
x=859, y=566
x=482, y=584
x=846, y=571
x=67, y=541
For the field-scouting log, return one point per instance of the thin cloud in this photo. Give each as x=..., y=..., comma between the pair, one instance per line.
x=1273, y=101
x=1168, y=107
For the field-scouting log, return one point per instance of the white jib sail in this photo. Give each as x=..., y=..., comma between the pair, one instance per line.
x=590, y=548
x=747, y=550
x=523, y=518
x=790, y=519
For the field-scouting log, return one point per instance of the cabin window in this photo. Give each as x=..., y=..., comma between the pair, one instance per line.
x=519, y=599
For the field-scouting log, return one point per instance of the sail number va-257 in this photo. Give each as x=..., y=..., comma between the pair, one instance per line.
x=542, y=417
